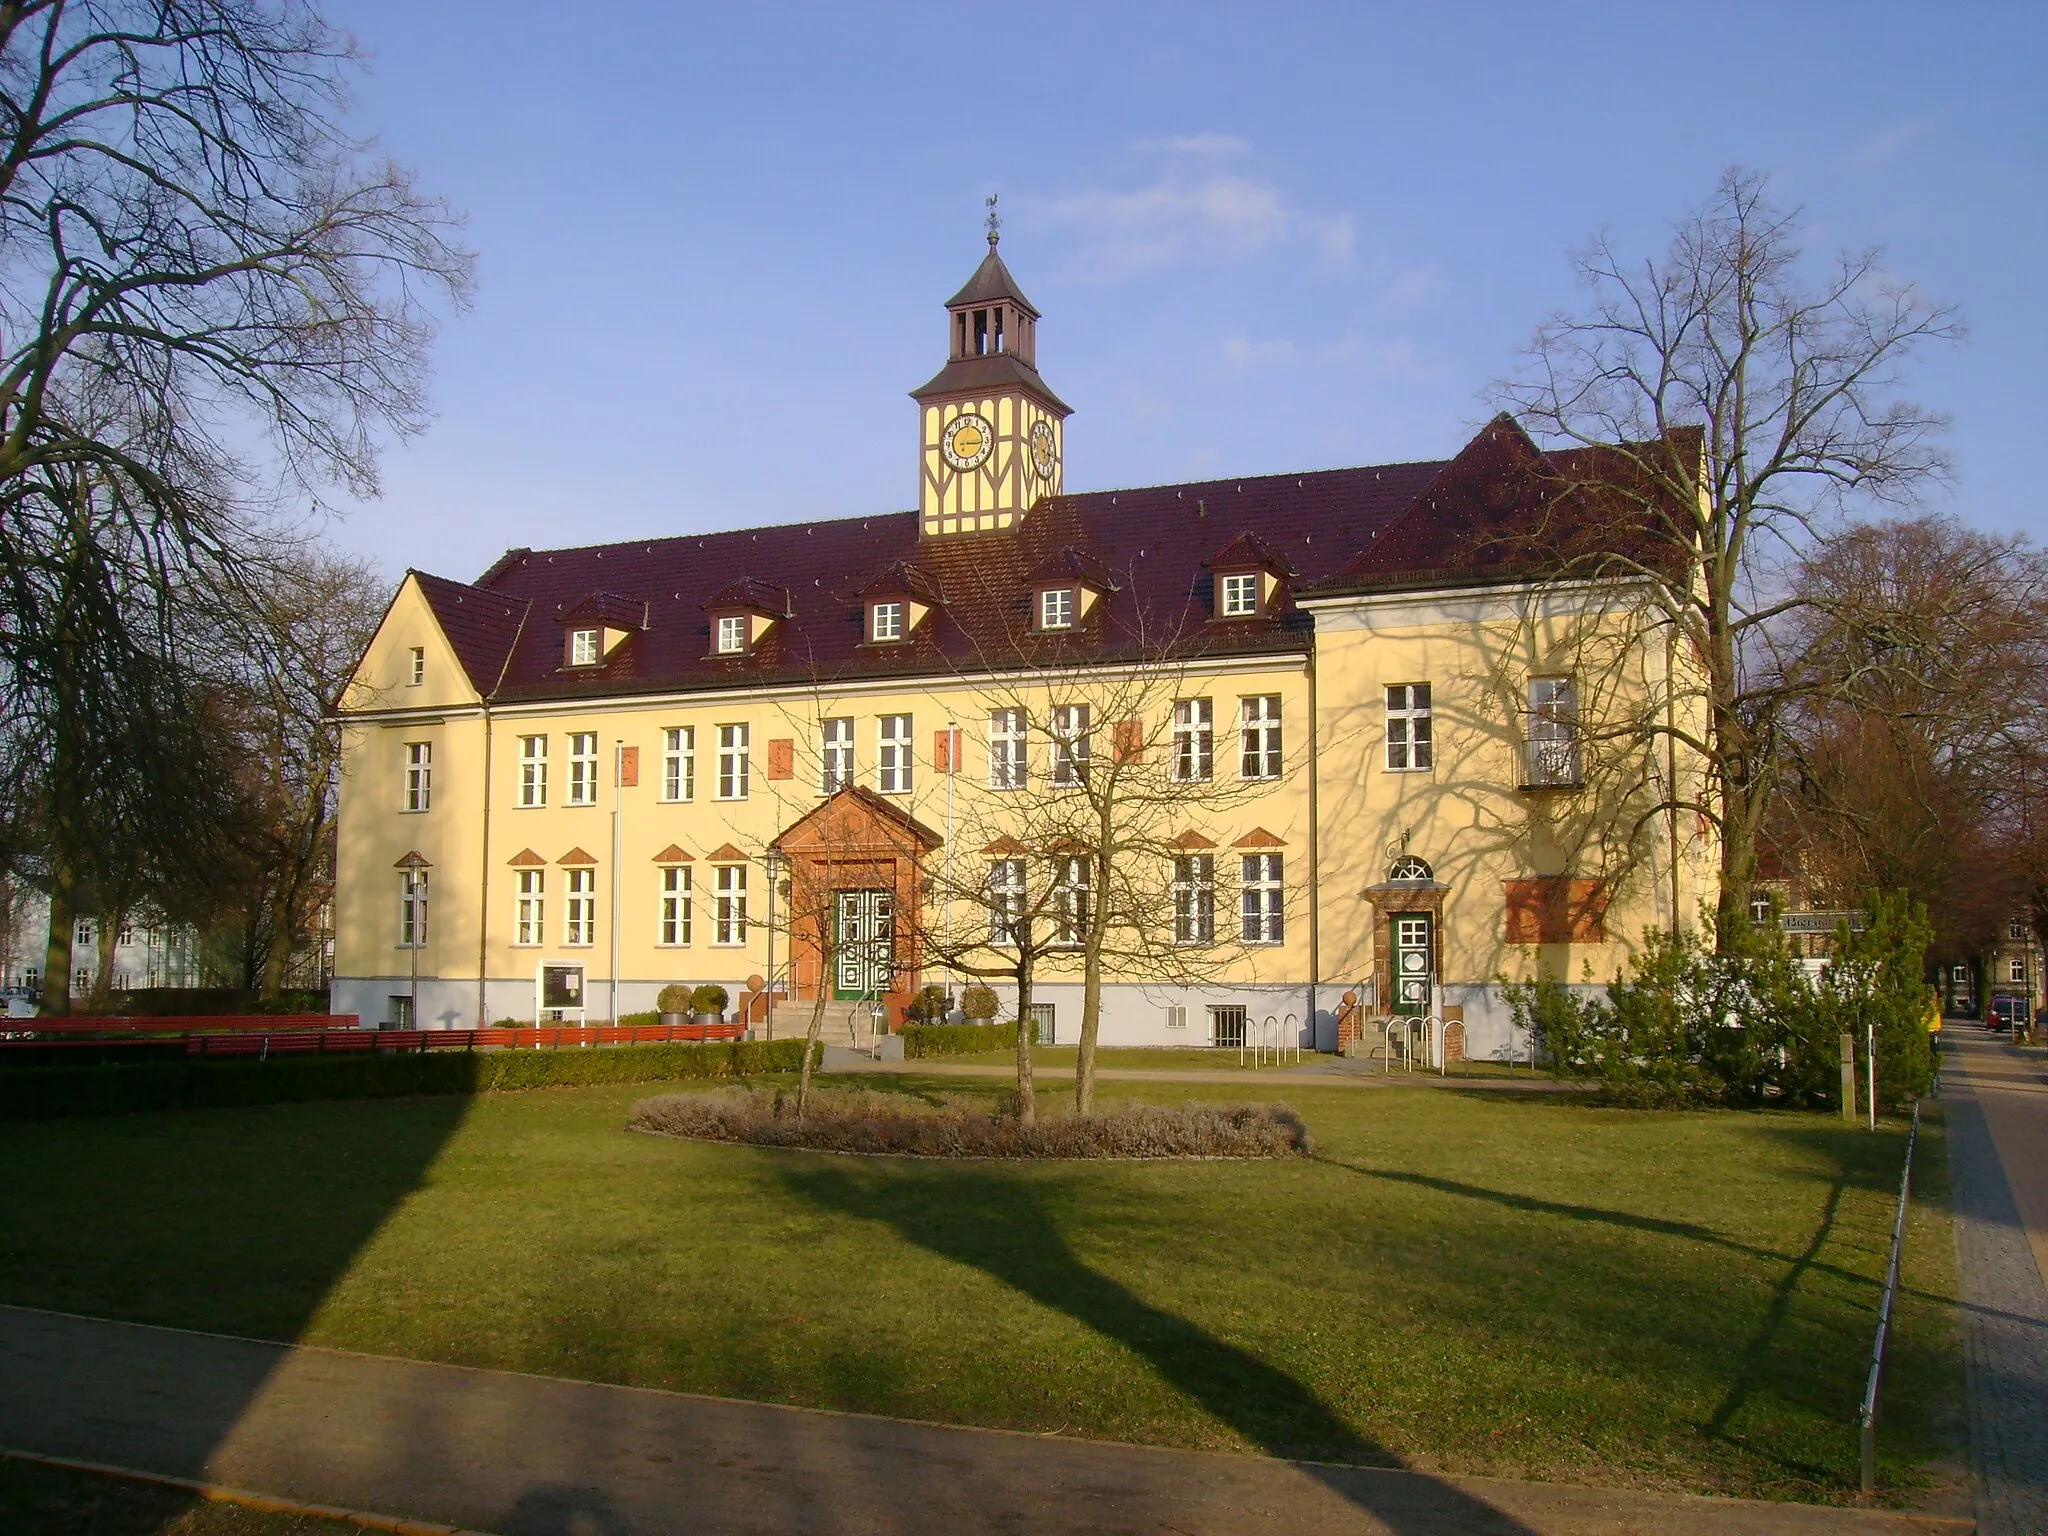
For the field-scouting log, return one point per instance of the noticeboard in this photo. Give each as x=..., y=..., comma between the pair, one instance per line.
x=558, y=988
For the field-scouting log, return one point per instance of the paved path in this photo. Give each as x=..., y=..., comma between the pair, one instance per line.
x=1998, y=1150
x=529, y=1456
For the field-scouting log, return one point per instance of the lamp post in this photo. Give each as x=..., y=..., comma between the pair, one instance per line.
x=415, y=867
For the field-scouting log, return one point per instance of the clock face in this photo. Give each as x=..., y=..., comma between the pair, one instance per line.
x=1042, y=457
x=968, y=441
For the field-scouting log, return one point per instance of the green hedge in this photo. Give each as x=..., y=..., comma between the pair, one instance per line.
x=42, y=1092
x=921, y=1040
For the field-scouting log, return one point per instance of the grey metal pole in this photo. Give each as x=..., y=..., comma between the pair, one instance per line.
x=1870, y=1066
x=618, y=790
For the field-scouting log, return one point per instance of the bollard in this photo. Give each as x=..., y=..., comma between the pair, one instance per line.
x=1848, y=1078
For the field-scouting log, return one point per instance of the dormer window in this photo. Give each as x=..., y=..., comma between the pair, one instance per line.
x=1240, y=593
x=1056, y=608
x=732, y=634
x=583, y=648
x=886, y=621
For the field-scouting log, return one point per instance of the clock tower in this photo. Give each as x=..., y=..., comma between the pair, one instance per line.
x=990, y=434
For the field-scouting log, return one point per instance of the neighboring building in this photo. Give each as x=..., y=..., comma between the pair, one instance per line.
x=146, y=953
x=595, y=751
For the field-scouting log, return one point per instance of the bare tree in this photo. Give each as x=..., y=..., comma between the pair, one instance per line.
x=1732, y=400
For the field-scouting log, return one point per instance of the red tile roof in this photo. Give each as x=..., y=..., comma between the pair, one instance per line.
x=1339, y=530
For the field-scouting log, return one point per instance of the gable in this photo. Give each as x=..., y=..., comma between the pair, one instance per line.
x=382, y=679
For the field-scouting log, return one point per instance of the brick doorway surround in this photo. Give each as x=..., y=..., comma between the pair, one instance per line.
x=855, y=840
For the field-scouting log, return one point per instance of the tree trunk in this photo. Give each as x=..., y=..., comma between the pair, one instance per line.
x=1091, y=1024
x=57, y=952
x=803, y=1082
x=1027, y=1092
x=109, y=937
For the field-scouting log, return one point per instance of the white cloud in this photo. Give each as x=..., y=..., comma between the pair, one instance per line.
x=1415, y=286
x=1211, y=145
x=1241, y=352
x=1882, y=146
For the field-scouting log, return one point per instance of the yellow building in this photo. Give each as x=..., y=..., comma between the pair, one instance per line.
x=1360, y=733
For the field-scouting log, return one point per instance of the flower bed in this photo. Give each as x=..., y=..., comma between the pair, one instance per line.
x=891, y=1123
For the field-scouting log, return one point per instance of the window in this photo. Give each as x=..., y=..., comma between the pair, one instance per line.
x=1056, y=608
x=1073, y=898
x=893, y=765
x=836, y=757
x=583, y=648
x=1409, y=744
x=730, y=908
x=886, y=622
x=2017, y=930
x=581, y=926
x=1070, y=744
x=1241, y=595
x=1264, y=919
x=419, y=775
x=1177, y=1016
x=1005, y=902
x=1258, y=726
x=412, y=908
x=679, y=763
x=732, y=634
x=419, y=666
x=1194, y=740
x=530, y=912
x=398, y=1011
x=533, y=770
x=675, y=904
x=1226, y=1027
x=81, y=933
x=583, y=767
x=82, y=981
x=1008, y=749
x=125, y=934
x=1042, y=1016
x=1553, y=731
x=2018, y=971
x=732, y=762
x=1760, y=907
x=1194, y=899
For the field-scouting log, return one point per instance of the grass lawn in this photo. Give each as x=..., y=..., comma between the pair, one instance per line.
x=1461, y=1282
x=55, y=1501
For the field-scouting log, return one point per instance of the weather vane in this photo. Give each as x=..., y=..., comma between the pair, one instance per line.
x=995, y=222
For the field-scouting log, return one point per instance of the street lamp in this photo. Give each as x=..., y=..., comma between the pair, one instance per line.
x=415, y=866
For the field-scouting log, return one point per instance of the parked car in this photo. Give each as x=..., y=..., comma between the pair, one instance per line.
x=2006, y=1011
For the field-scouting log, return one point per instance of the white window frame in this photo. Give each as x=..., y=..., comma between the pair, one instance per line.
x=679, y=764
x=732, y=634
x=530, y=909
x=729, y=907
x=885, y=621
x=1006, y=896
x=1073, y=885
x=1554, y=757
x=1009, y=748
x=1259, y=740
x=835, y=754
x=419, y=667
x=1072, y=732
x=1263, y=907
x=533, y=771
x=2016, y=972
x=582, y=768
x=1056, y=608
x=1194, y=899
x=82, y=932
x=2016, y=930
x=893, y=755
x=419, y=775
x=1240, y=593
x=1194, y=740
x=1411, y=733
x=579, y=917
x=1176, y=1015
x=734, y=765
x=677, y=899
x=583, y=650
x=412, y=909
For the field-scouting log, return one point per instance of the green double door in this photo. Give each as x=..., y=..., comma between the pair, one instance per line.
x=863, y=944
x=1414, y=964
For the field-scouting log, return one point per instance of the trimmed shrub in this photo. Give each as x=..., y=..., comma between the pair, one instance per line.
x=930, y=1006
x=45, y=1092
x=709, y=998
x=925, y=1040
x=979, y=1003
x=636, y=1020
x=674, y=998
x=895, y=1123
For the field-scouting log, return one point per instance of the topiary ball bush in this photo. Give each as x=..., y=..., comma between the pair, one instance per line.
x=676, y=997
x=929, y=1006
x=979, y=1003
x=709, y=999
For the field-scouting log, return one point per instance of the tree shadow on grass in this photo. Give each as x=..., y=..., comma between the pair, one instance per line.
x=1002, y=1227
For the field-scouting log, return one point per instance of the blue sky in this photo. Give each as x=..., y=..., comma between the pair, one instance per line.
x=714, y=239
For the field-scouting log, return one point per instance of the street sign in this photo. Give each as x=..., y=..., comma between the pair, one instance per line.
x=1823, y=922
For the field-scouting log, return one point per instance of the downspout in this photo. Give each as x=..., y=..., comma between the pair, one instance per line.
x=1671, y=760
x=1315, y=896
x=483, y=885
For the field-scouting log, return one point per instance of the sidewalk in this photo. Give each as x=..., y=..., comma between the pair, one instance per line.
x=529, y=1456
x=1998, y=1150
